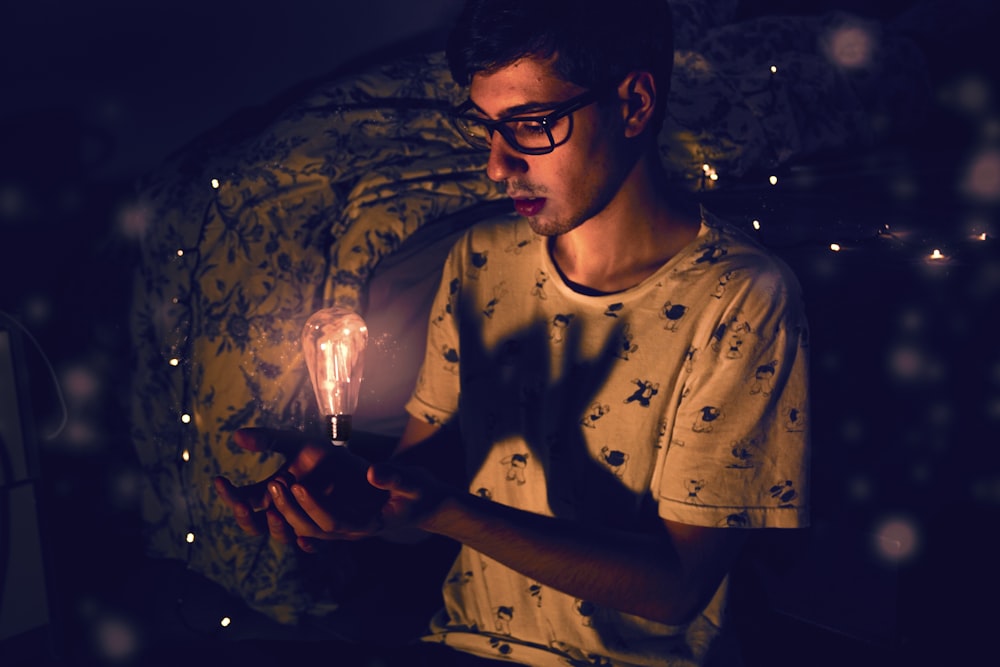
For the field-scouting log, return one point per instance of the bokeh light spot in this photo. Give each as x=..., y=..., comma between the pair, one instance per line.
x=13, y=203
x=859, y=488
x=81, y=383
x=982, y=179
x=970, y=94
x=851, y=46
x=116, y=639
x=906, y=362
x=896, y=540
x=134, y=219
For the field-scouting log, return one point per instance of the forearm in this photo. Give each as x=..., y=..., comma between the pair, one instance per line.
x=635, y=573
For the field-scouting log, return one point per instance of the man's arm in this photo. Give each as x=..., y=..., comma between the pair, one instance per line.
x=666, y=576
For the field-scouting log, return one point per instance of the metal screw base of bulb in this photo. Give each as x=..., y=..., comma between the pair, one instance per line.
x=338, y=428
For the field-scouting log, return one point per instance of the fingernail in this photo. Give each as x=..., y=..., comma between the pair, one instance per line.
x=273, y=488
x=298, y=491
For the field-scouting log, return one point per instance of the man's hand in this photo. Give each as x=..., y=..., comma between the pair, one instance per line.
x=331, y=478
x=410, y=495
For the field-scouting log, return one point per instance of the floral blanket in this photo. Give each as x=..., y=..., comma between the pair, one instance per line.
x=248, y=236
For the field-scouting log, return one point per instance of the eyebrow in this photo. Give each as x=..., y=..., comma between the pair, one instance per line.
x=518, y=109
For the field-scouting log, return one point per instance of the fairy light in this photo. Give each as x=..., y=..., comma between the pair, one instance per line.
x=936, y=254
x=225, y=622
x=835, y=247
x=174, y=362
x=756, y=224
x=774, y=69
x=180, y=252
x=708, y=171
x=186, y=456
x=773, y=180
x=185, y=418
x=189, y=538
x=215, y=184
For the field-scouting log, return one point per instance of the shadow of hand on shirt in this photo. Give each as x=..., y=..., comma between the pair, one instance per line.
x=543, y=390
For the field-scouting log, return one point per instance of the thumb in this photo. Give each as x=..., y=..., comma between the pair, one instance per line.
x=385, y=476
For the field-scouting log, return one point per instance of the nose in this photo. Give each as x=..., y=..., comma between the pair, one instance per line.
x=504, y=161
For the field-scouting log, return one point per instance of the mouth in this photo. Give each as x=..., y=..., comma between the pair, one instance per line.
x=529, y=206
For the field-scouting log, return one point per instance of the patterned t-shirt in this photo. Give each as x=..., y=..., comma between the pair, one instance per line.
x=684, y=397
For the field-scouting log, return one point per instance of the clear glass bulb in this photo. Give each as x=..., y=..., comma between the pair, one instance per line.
x=333, y=342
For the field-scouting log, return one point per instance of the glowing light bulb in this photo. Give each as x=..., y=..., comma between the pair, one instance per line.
x=936, y=254
x=334, y=342
x=835, y=247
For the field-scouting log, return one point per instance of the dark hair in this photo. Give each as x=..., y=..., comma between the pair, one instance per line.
x=596, y=42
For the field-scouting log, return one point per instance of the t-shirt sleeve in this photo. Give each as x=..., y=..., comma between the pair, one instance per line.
x=738, y=449
x=435, y=396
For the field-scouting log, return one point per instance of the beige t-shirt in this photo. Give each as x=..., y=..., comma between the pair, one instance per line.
x=684, y=397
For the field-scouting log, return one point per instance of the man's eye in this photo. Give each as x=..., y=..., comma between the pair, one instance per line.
x=527, y=127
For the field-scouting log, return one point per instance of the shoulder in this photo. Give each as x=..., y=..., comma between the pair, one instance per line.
x=493, y=239
x=732, y=250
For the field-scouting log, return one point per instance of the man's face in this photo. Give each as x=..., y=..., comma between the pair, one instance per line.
x=560, y=190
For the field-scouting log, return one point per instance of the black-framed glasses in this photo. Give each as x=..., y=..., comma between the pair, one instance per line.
x=531, y=135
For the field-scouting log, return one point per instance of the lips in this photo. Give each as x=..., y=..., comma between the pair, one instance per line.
x=529, y=206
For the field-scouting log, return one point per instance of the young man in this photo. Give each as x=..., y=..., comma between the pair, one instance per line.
x=627, y=375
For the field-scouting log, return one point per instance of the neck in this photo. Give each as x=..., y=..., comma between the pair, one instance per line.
x=639, y=230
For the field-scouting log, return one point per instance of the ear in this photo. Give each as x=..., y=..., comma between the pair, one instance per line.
x=638, y=92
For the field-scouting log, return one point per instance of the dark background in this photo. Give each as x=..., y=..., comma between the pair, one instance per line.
x=906, y=375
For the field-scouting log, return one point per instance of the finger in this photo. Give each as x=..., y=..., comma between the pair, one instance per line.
x=252, y=496
x=317, y=514
x=278, y=527
x=246, y=518
x=388, y=477
x=299, y=521
x=309, y=545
